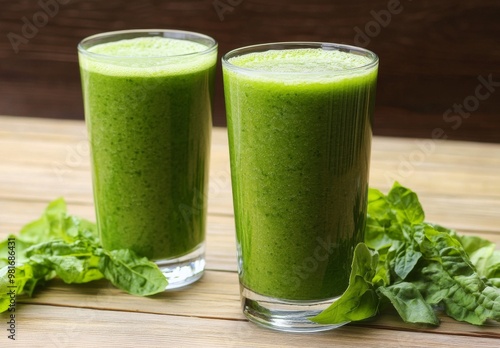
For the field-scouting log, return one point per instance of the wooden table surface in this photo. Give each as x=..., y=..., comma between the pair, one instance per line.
x=40, y=160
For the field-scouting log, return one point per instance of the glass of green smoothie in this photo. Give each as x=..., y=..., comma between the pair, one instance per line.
x=300, y=127
x=148, y=109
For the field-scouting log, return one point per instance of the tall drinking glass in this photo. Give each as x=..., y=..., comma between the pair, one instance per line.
x=299, y=123
x=148, y=98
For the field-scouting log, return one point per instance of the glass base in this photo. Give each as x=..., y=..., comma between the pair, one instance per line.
x=277, y=314
x=183, y=270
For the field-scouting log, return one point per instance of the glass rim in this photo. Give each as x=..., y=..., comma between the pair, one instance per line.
x=286, y=45
x=117, y=35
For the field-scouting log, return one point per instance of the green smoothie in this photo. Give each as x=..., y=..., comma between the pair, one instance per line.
x=299, y=125
x=148, y=112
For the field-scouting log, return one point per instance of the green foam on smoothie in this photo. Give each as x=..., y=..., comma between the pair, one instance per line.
x=144, y=56
x=148, y=47
x=304, y=61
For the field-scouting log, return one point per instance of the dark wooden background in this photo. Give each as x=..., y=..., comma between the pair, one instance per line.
x=432, y=53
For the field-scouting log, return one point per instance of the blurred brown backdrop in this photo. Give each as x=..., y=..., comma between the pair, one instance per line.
x=440, y=60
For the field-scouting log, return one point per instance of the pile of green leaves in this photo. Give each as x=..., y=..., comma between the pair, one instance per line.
x=418, y=267
x=68, y=247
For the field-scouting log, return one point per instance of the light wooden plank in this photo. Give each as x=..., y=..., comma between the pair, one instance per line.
x=456, y=181
x=45, y=326
x=216, y=295
x=55, y=153
x=221, y=244
x=391, y=156
x=40, y=183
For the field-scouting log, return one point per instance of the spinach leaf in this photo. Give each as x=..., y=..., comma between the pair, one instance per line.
x=406, y=204
x=419, y=266
x=359, y=301
x=49, y=226
x=72, y=262
x=59, y=244
x=19, y=250
x=482, y=255
x=127, y=271
x=20, y=280
x=406, y=259
x=409, y=303
x=452, y=280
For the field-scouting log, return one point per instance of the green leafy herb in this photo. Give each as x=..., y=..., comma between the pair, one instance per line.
x=417, y=267
x=62, y=245
x=484, y=257
x=359, y=300
x=409, y=303
x=137, y=276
